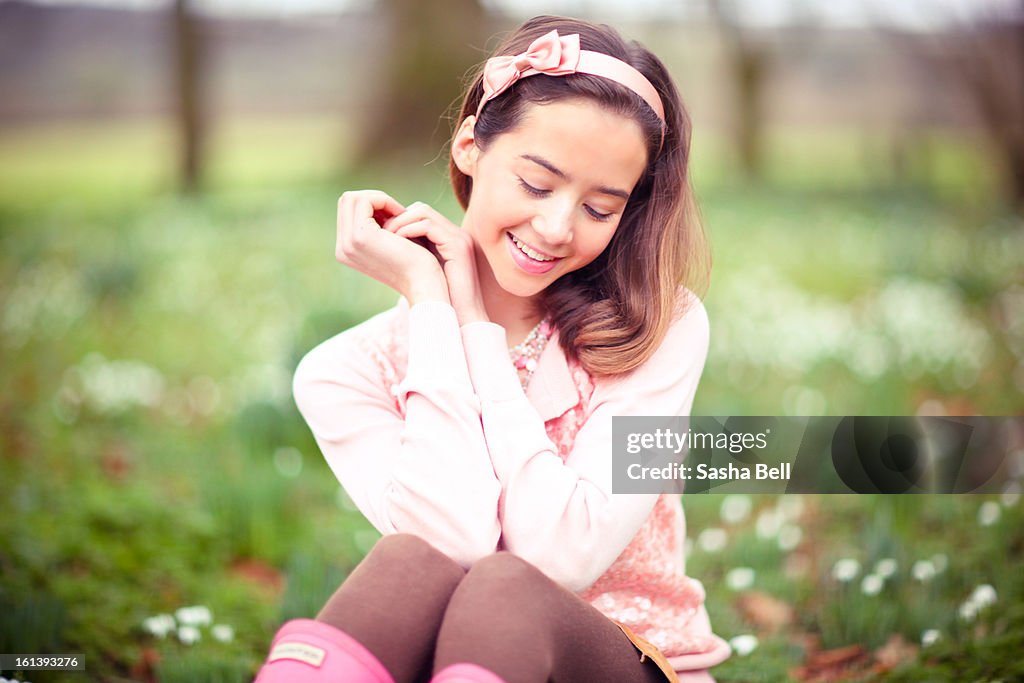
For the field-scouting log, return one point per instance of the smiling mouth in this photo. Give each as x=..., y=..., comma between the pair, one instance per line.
x=532, y=253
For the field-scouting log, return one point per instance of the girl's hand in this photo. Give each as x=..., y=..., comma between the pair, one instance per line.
x=453, y=248
x=405, y=266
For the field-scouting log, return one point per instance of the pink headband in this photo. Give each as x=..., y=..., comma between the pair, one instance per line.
x=554, y=55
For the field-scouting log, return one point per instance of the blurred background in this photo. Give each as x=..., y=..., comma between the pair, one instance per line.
x=168, y=180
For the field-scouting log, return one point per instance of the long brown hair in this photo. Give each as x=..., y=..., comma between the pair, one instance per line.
x=612, y=314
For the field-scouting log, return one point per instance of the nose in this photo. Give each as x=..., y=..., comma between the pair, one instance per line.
x=554, y=226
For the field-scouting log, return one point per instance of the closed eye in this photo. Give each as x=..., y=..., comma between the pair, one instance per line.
x=535, y=191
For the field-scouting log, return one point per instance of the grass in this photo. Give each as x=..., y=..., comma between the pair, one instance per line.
x=151, y=457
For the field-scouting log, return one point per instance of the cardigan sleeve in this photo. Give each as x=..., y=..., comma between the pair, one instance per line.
x=562, y=516
x=427, y=473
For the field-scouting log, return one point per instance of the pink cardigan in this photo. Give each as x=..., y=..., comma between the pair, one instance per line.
x=427, y=428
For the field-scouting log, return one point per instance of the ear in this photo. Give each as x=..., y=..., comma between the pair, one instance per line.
x=464, y=150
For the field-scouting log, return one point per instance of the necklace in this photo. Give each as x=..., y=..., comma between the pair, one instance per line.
x=525, y=354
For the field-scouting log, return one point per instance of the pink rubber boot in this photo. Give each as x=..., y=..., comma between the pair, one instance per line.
x=309, y=650
x=464, y=672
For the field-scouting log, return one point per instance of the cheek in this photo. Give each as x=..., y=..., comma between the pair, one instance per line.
x=591, y=245
x=497, y=210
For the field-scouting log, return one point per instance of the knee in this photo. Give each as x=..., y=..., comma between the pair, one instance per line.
x=508, y=573
x=501, y=583
x=414, y=552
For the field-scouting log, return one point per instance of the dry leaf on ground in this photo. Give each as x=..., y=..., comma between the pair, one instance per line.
x=765, y=611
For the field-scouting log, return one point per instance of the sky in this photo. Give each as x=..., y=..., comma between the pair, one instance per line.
x=919, y=14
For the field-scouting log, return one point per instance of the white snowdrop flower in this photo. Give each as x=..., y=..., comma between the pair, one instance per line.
x=791, y=506
x=871, y=584
x=923, y=570
x=930, y=637
x=1011, y=496
x=989, y=513
x=712, y=540
x=846, y=569
x=885, y=567
x=735, y=508
x=740, y=578
x=223, y=633
x=160, y=625
x=940, y=562
x=197, y=615
x=968, y=611
x=743, y=645
x=768, y=523
x=188, y=634
x=983, y=596
x=789, y=537
x=115, y=386
x=930, y=327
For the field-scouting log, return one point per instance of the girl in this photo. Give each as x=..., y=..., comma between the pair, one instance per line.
x=472, y=423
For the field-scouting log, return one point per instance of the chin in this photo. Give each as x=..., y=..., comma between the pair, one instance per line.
x=517, y=286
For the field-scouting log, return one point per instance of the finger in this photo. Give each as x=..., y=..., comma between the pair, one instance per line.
x=354, y=207
x=362, y=214
x=344, y=210
x=371, y=208
x=430, y=212
x=419, y=228
x=344, y=228
x=438, y=233
x=350, y=214
x=412, y=213
x=381, y=205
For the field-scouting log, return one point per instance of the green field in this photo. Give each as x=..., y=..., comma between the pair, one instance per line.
x=151, y=457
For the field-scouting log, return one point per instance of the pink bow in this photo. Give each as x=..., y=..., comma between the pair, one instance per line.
x=550, y=54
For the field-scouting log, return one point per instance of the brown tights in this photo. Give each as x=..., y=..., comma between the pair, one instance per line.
x=418, y=611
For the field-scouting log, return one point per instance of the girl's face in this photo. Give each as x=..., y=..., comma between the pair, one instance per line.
x=549, y=194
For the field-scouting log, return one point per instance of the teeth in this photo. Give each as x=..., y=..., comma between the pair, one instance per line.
x=525, y=248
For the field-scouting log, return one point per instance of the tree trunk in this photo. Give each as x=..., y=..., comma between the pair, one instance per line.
x=749, y=68
x=983, y=57
x=748, y=64
x=431, y=48
x=188, y=71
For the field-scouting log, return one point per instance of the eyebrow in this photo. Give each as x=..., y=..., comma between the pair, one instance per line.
x=541, y=161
